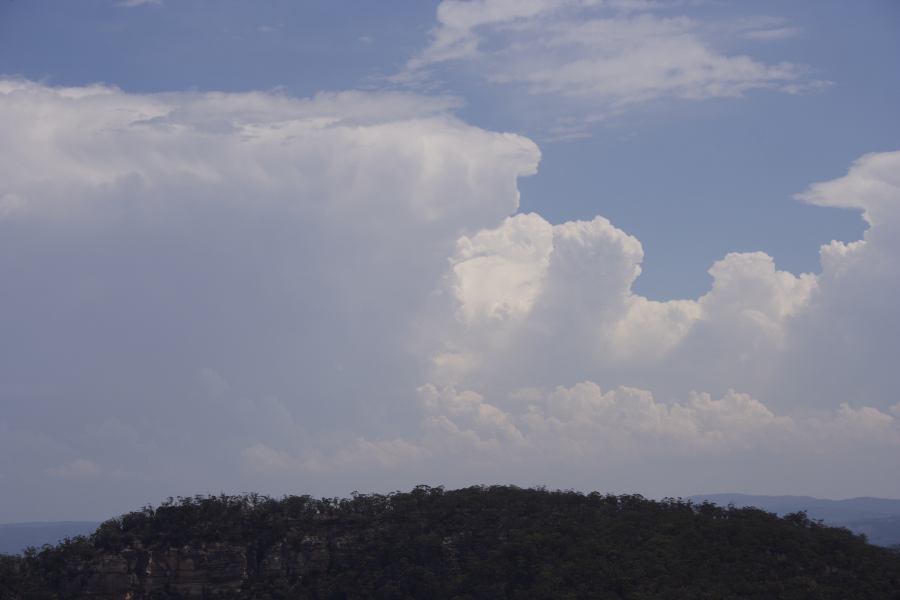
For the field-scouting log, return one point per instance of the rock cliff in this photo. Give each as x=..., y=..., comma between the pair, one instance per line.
x=215, y=570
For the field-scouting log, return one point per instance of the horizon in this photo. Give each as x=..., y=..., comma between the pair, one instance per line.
x=878, y=522
x=689, y=497
x=643, y=247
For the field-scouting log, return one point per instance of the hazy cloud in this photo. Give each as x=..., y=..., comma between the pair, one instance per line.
x=135, y=3
x=253, y=291
x=601, y=57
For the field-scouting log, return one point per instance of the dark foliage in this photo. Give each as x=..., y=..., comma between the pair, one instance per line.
x=487, y=542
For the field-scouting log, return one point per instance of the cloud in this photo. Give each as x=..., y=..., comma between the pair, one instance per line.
x=215, y=291
x=287, y=242
x=136, y=3
x=587, y=432
x=872, y=184
x=582, y=421
x=531, y=286
x=842, y=344
x=762, y=28
x=808, y=353
x=528, y=285
x=535, y=303
x=778, y=33
x=496, y=273
x=600, y=58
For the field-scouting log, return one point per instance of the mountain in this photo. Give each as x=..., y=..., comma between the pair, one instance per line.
x=473, y=543
x=15, y=537
x=877, y=518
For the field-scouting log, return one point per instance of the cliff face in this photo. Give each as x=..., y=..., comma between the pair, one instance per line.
x=135, y=574
x=215, y=570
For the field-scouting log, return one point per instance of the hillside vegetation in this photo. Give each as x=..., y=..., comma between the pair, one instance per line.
x=877, y=518
x=480, y=542
x=15, y=537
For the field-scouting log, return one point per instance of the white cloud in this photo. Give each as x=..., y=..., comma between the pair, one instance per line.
x=601, y=57
x=497, y=273
x=749, y=293
x=843, y=344
x=565, y=310
x=583, y=420
x=288, y=242
x=528, y=285
x=872, y=184
x=584, y=432
x=330, y=256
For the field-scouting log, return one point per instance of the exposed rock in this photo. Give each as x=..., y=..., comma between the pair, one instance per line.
x=215, y=570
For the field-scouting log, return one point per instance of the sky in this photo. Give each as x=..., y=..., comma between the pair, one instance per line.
x=632, y=246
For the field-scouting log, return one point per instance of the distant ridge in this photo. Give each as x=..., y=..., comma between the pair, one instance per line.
x=15, y=537
x=877, y=518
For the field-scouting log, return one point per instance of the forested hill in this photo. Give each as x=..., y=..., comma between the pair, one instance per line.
x=877, y=518
x=481, y=542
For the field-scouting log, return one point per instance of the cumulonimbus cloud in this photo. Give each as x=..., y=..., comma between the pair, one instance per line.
x=247, y=290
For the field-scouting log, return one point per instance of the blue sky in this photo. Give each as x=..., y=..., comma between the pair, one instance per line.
x=273, y=237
